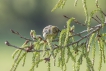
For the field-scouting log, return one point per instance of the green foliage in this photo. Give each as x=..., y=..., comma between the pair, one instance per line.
x=85, y=10
x=101, y=45
x=68, y=31
x=65, y=47
x=60, y=4
x=75, y=3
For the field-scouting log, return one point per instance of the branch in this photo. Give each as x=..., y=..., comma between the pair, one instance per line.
x=75, y=21
x=96, y=19
x=17, y=33
x=103, y=13
x=24, y=49
x=92, y=30
x=84, y=37
x=84, y=31
x=8, y=44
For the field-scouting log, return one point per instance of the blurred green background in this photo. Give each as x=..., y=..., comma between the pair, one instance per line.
x=26, y=15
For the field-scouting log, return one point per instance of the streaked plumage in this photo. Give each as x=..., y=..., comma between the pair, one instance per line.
x=50, y=31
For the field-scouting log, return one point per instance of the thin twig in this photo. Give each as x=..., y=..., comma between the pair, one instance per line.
x=76, y=21
x=83, y=37
x=103, y=13
x=33, y=50
x=96, y=20
x=91, y=29
x=8, y=44
x=17, y=33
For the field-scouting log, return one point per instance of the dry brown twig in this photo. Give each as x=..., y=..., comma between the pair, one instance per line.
x=17, y=33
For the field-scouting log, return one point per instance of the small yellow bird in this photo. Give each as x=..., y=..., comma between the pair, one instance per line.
x=50, y=32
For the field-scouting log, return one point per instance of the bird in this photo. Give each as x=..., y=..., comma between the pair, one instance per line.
x=49, y=33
